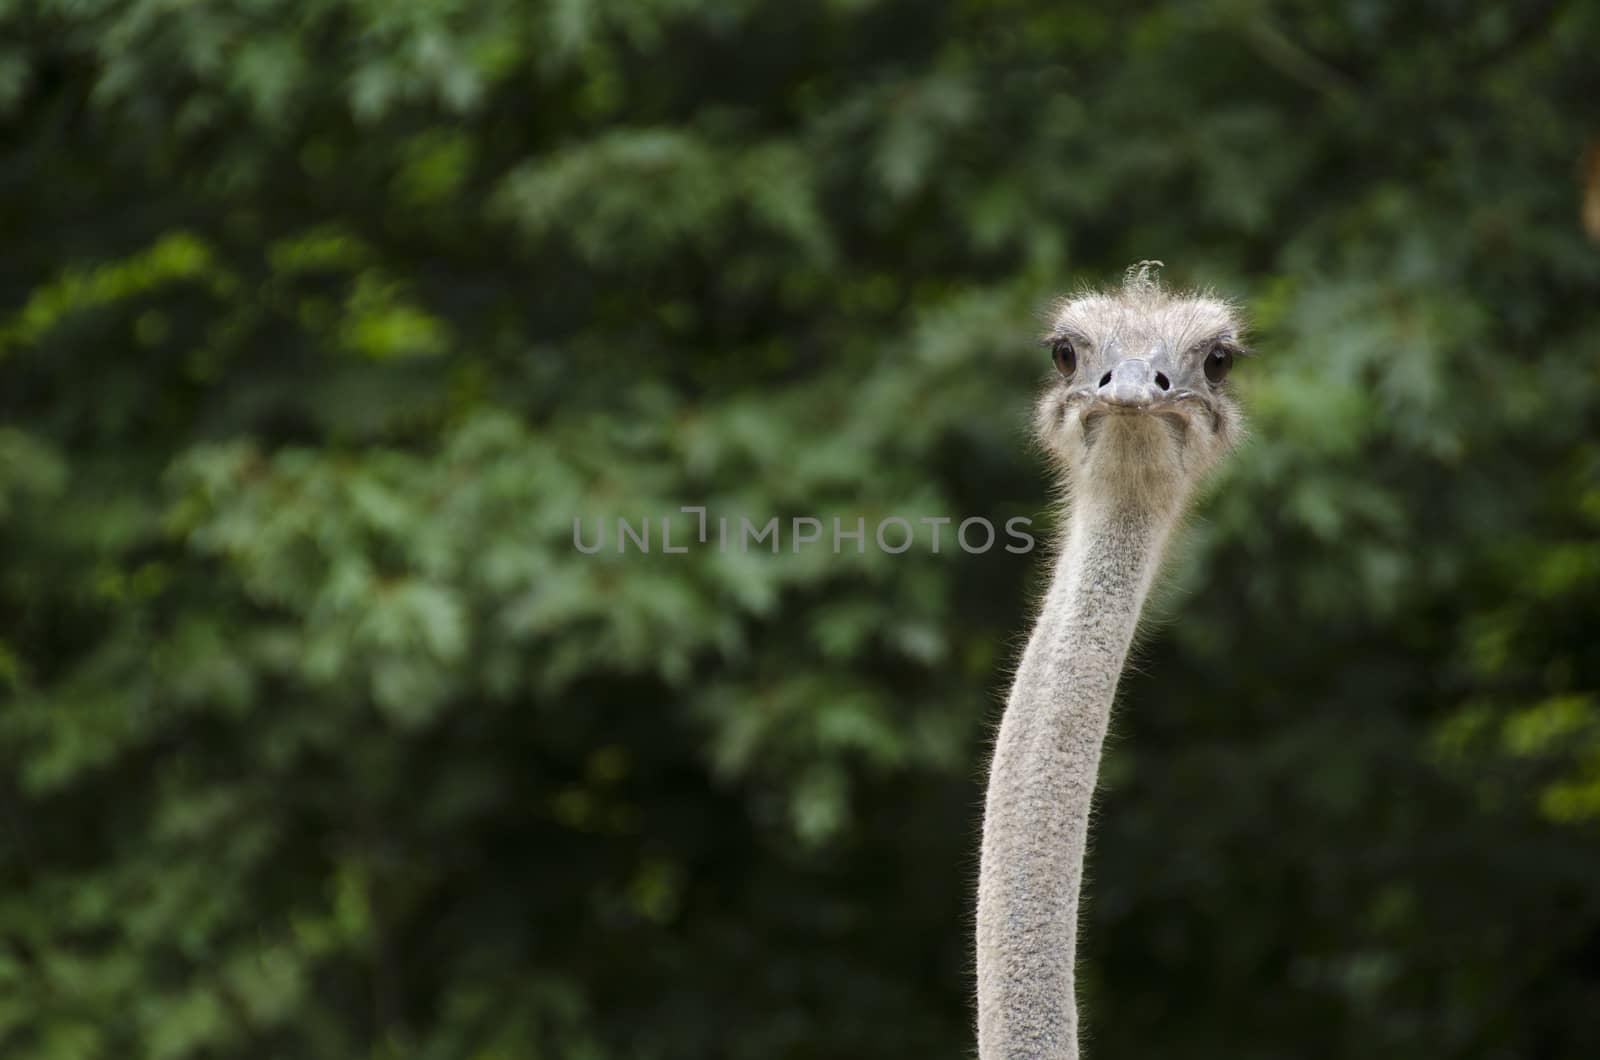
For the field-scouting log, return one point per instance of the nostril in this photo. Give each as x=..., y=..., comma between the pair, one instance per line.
x=1162, y=382
x=1105, y=379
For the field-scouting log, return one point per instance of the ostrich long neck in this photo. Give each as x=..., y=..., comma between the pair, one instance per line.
x=1042, y=779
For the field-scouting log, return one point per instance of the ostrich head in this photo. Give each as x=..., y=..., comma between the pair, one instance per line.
x=1139, y=408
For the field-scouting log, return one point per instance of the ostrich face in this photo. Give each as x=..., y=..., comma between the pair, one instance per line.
x=1140, y=399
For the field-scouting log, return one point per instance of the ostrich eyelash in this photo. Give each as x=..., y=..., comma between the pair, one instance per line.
x=1233, y=346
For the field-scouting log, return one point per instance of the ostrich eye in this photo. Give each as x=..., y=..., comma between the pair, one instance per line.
x=1218, y=361
x=1065, y=356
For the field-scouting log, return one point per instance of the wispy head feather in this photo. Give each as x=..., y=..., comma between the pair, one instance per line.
x=1144, y=277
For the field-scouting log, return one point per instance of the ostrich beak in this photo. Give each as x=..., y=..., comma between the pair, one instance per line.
x=1132, y=384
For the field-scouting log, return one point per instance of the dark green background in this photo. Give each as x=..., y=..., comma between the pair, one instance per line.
x=320, y=321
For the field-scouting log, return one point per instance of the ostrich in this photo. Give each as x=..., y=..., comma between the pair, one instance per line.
x=1137, y=413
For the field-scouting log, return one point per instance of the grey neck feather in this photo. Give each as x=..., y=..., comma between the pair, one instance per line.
x=1042, y=778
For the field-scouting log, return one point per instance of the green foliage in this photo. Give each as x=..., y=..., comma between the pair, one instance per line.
x=321, y=322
